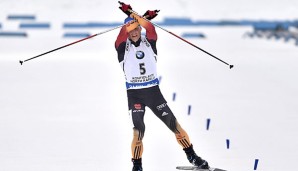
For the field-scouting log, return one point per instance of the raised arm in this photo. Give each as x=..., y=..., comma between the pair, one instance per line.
x=150, y=29
x=122, y=36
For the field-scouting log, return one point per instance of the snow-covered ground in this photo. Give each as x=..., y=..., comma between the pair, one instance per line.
x=67, y=110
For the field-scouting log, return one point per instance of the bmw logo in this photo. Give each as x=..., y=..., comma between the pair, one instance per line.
x=140, y=54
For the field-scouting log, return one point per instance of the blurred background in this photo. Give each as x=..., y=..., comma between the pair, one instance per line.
x=67, y=110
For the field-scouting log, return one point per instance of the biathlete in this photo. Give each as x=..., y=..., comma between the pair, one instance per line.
x=137, y=56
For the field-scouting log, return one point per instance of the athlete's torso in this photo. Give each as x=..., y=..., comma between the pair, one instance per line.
x=139, y=65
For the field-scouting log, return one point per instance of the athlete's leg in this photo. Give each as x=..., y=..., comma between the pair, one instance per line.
x=161, y=109
x=137, y=112
x=164, y=113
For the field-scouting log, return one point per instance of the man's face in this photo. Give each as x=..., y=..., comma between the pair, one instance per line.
x=135, y=34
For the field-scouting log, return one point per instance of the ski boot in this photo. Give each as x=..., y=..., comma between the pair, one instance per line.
x=137, y=164
x=194, y=159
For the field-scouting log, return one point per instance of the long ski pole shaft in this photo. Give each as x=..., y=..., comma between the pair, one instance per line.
x=86, y=38
x=231, y=66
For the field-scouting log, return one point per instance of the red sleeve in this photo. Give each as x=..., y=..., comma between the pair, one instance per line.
x=122, y=36
x=150, y=31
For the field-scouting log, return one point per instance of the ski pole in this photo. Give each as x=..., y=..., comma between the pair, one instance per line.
x=86, y=38
x=231, y=66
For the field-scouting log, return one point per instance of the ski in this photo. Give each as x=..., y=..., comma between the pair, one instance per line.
x=196, y=168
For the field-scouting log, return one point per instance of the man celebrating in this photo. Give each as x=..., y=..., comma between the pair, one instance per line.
x=137, y=56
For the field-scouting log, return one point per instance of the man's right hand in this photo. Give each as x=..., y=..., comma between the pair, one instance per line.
x=125, y=8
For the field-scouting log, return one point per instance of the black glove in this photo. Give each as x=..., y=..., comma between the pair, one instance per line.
x=151, y=14
x=125, y=8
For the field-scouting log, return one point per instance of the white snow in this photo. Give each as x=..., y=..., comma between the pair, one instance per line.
x=67, y=110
